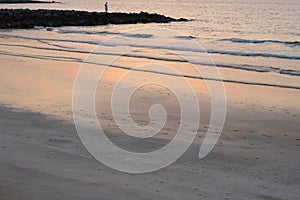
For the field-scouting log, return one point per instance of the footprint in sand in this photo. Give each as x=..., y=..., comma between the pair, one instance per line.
x=264, y=135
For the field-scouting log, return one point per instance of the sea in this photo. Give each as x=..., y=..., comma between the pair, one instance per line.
x=254, y=42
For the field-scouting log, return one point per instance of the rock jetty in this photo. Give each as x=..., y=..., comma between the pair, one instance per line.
x=26, y=18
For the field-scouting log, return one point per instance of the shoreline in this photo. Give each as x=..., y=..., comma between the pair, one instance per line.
x=26, y=18
x=257, y=151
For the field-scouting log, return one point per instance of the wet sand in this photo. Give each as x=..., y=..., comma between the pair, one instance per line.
x=42, y=156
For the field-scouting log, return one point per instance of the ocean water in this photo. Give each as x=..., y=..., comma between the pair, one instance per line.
x=251, y=42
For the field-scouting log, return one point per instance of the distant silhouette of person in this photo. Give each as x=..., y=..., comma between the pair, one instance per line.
x=106, y=7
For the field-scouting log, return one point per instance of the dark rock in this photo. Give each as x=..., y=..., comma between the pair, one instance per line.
x=182, y=20
x=23, y=1
x=25, y=18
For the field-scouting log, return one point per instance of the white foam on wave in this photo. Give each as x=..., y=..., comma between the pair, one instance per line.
x=68, y=31
x=176, y=47
x=247, y=67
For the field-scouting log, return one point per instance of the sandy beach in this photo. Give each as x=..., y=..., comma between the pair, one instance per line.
x=42, y=157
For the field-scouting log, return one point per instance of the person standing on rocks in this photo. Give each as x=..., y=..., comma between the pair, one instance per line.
x=106, y=7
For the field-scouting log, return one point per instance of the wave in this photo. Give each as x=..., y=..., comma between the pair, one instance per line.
x=290, y=72
x=136, y=35
x=67, y=31
x=211, y=51
x=247, y=67
x=249, y=54
x=188, y=37
x=174, y=48
x=240, y=40
x=71, y=59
